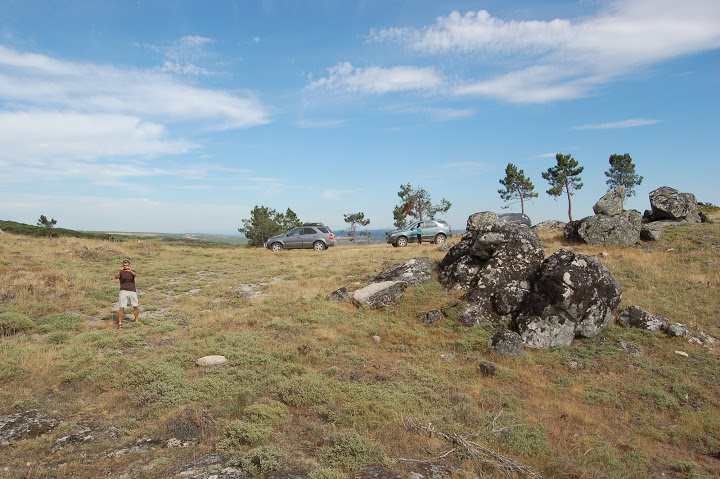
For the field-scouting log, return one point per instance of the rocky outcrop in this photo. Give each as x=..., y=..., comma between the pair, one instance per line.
x=669, y=203
x=610, y=226
x=637, y=317
x=379, y=295
x=28, y=424
x=415, y=271
x=573, y=295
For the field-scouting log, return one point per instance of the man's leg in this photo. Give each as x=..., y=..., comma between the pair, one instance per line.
x=121, y=313
x=136, y=309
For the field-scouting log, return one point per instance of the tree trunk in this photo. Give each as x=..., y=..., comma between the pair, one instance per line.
x=567, y=190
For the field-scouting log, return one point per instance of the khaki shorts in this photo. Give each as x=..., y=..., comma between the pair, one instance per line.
x=128, y=295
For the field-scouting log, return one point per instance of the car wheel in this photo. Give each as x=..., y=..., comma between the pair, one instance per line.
x=440, y=239
x=401, y=241
x=276, y=247
x=319, y=246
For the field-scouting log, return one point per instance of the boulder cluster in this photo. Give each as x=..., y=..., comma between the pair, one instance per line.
x=546, y=302
x=611, y=225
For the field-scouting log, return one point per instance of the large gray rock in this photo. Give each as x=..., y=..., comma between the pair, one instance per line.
x=28, y=424
x=494, y=263
x=379, y=295
x=638, y=317
x=612, y=203
x=620, y=230
x=492, y=255
x=648, y=233
x=669, y=203
x=573, y=295
x=415, y=271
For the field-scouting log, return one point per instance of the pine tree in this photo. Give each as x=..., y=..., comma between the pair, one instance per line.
x=354, y=220
x=564, y=177
x=622, y=173
x=517, y=186
x=47, y=224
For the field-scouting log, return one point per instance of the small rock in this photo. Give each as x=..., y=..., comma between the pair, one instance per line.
x=488, y=369
x=678, y=330
x=507, y=343
x=447, y=357
x=376, y=338
x=682, y=353
x=215, y=360
x=630, y=348
x=432, y=317
x=695, y=341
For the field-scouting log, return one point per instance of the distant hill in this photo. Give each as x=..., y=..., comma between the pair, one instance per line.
x=40, y=231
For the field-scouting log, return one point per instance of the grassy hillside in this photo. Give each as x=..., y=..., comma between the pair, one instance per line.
x=327, y=388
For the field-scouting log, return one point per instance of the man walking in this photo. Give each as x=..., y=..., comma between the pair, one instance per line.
x=419, y=233
x=127, y=291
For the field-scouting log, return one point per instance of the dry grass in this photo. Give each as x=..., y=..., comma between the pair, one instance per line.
x=587, y=410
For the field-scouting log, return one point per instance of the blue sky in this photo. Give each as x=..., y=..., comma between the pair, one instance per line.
x=180, y=116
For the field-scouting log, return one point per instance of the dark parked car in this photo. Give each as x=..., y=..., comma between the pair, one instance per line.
x=434, y=231
x=310, y=235
x=516, y=218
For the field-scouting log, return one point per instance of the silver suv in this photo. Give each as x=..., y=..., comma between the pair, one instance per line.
x=434, y=231
x=310, y=235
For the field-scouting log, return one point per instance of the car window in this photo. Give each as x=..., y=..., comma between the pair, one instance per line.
x=430, y=224
x=308, y=231
x=324, y=230
x=295, y=232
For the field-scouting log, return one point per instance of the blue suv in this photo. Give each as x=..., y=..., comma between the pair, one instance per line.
x=434, y=231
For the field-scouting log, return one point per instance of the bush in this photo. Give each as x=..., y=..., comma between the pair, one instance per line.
x=269, y=414
x=348, y=450
x=60, y=322
x=189, y=423
x=306, y=390
x=245, y=433
x=12, y=323
x=260, y=460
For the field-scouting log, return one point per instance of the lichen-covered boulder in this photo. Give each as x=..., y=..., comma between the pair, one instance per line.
x=669, y=203
x=620, y=230
x=573, y=295
x=506, y=343
x=611, y=204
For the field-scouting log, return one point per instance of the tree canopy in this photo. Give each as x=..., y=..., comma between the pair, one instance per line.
x=47, y=224
x=354, y=220
x=517, y=186
x=622, y=173
x=565, y=176
x=265, y=222
x=416, y=203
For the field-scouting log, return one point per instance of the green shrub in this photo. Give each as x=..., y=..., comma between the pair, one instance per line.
x=60, y=322
x=348, y=450
x=260, y=460
x=154, y=382
x=270, y=414
x=246, y=433
x=305, y=390
x=58, y=337
x=11, y=371
x=12, y=323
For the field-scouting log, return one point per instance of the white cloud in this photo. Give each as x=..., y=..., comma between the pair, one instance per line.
x=576, y=55
x=337, y=195
x=29, y=80
x=182, y=55
x=376, y=80
x=617, y=124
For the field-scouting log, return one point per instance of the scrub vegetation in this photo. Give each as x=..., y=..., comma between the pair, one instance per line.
x=328, y=388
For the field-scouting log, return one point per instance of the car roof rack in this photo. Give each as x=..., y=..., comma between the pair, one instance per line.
x=313, y=224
